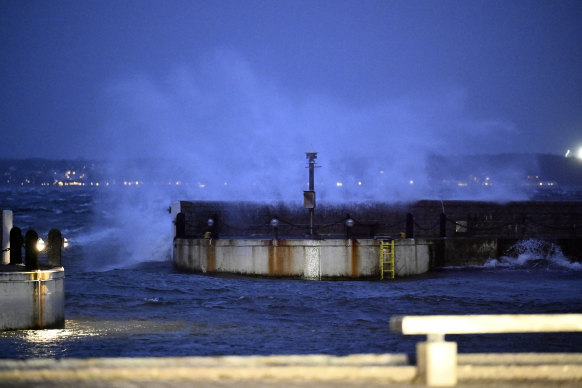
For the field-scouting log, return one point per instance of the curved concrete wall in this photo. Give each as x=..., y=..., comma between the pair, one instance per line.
x=32, y=299
x=307, y=259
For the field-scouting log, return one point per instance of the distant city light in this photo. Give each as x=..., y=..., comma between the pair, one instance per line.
x=577, y=155
x=339, y=184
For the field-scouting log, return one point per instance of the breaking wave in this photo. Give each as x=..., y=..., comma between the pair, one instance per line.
x=533, y=253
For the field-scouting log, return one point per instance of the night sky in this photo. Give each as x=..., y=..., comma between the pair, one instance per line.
x=261, y=82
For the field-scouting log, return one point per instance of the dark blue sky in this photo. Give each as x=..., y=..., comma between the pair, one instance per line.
x=159, y=78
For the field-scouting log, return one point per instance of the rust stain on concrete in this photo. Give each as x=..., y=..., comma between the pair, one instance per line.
x=355, y=258
x=39, y=291
x=42, y=300
x=211, y=257
x=279, y=259
x=272, y=250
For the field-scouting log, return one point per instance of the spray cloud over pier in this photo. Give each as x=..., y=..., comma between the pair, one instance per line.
x=231, y=133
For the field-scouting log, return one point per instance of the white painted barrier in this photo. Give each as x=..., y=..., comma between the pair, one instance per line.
x=437, y=359
x=5, y=236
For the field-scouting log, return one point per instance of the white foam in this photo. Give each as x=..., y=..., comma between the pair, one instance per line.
x=535, y=253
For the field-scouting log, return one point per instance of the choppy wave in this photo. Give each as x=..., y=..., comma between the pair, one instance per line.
x=121, y=301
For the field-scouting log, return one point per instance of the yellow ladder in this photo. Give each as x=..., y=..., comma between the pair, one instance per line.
x=387, y=259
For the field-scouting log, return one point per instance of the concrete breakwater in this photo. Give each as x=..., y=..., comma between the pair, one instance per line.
x=342, y=241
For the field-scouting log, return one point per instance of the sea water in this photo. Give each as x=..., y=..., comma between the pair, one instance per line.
x=124, y=298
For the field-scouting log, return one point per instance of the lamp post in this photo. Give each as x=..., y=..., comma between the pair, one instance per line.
x=349, y=225
x=309, y=195
x=275, y=225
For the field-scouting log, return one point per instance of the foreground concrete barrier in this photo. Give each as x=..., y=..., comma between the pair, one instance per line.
x=437, y=358
x=359, y=370
x=297, y=369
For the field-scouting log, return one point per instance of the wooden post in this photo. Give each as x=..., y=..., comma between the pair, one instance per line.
x=16, y=242
x=55, y=243
x=30, y=250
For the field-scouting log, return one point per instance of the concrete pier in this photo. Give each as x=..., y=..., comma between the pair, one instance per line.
x=31, y=296
x=31, y=299
x=304, y=259
x=204, y=242
x=341, y=241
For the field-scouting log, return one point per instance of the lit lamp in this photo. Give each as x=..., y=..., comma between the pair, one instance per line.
x=40, y=245
x=212, y=232
x=349, y=225
x=275, y=225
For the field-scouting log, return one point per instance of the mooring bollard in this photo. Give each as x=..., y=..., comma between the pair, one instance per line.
x=31, y=250
x=16, y=242
x=55, y=243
